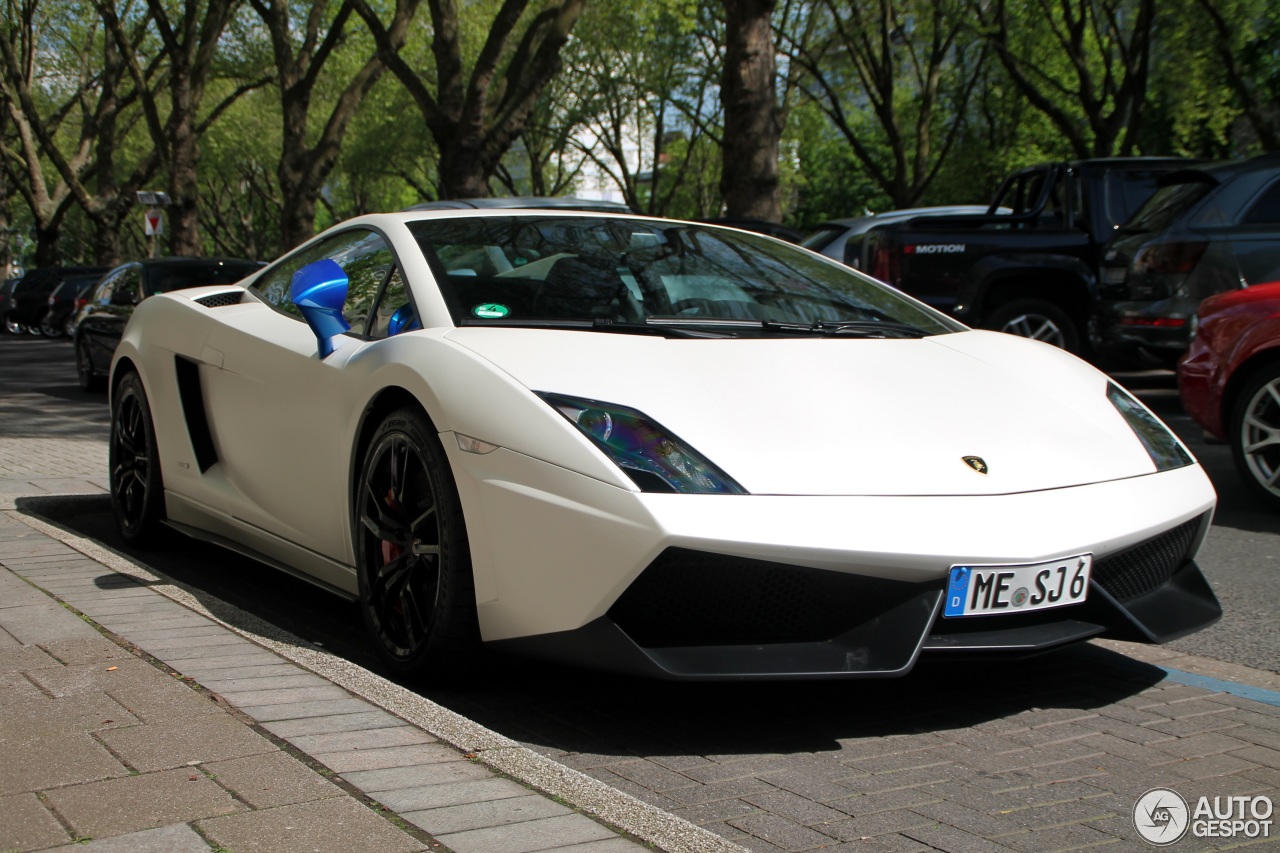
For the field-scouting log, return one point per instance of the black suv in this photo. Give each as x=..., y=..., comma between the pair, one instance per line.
x=1208, y=229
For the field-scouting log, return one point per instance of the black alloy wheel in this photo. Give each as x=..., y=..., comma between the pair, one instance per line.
x=416, y=589
x=137, y=493
x=48, y=328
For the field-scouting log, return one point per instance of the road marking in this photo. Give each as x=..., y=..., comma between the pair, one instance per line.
x=1247, y=691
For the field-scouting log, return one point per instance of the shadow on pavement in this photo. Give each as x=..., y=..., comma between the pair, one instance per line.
x=551, y=707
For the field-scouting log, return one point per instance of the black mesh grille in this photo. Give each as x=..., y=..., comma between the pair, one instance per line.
x=218, y=300
x=1147, y=565
x=690, y=598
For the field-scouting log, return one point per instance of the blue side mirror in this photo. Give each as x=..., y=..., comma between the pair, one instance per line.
x=404, y=319
x=319, y=290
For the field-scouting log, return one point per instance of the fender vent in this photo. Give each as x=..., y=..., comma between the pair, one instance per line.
x=220, y=300
x=1147, y=565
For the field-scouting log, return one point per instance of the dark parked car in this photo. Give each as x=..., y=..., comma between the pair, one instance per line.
x=29, y=299
x=6, y=289
x=99, y=324
x=841, y=239
x=1208, y=229
x=67, y=298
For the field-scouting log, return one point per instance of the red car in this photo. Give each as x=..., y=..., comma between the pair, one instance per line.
x=1230, y=380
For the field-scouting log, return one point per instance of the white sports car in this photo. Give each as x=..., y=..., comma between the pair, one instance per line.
x=651, y=446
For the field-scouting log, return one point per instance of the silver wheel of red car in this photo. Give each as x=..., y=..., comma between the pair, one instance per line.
x=414, y=563
x=1255, y=434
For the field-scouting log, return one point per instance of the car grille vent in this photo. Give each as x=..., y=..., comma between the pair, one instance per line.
x=1148, y=565
x=220, y=300
x=691, y=598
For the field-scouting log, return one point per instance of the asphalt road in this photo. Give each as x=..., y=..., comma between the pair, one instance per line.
x=577, y=714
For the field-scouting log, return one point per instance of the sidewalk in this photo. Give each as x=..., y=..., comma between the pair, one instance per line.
x=132, y=720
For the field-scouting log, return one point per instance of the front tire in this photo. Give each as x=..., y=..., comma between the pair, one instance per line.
x=1255, y=434
x=1038, y=320
x=417, y=595
x=137, y=493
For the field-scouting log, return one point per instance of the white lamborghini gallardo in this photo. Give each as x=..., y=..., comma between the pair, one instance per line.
x=650, y=446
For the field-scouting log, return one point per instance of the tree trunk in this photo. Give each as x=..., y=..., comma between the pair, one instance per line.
x=749, y=179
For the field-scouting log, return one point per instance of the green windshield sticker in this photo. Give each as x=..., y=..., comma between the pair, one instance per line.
x=491, y=311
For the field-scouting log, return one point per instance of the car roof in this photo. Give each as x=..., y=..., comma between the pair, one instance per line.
x=1222, y=170
x=525, y=203
x=873, y=219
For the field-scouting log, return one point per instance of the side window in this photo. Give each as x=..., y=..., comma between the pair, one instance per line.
x=1266, y=210
x=363, y=255
x=128, y=287
x=102, y=296
x=395, y=312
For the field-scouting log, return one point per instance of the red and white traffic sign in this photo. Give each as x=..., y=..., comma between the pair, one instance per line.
x=155, y=222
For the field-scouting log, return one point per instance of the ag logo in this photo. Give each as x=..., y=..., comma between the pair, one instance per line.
x=1161, y=816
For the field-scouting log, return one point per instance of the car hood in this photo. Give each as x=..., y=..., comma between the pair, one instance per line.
x=840, y=416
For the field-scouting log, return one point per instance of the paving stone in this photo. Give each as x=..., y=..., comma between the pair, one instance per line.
x=251, y=655
x=779, y=831
x=141, y=802
x=944, y=836
x=42, y=623
x=390, y=757
x=34, y=762
x=406, y=800
x=86, y=650
x=38, y=716
x=210, y=737
x=879, y=823
x=272, y=779
x=359, y=721
x=715, y=812
x=327, y=826
x=27, y=825
x=460, y=818
x=793, y=807
x=535, y=835
x=377, y=782
x=376, y=738
x=730, y=790
x=146, y=692
x=178, y=838
x=288, y=695
x=300, y=710
x=606, y=845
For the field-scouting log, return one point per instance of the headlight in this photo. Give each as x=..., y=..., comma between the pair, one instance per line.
x=1161, y=445
x=654, y=458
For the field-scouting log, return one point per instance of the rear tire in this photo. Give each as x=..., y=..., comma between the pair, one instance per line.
x=137, y=493
x=1036, y=319
x=413, y=560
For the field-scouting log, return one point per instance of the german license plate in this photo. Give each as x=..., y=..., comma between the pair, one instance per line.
x=984, y=590
x=1114, y=275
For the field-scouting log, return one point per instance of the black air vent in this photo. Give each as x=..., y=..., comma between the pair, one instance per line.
x=1148, y=565
x=220, y=300
x=692, y=598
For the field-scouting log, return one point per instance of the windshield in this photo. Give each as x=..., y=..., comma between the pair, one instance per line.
x=521, y=269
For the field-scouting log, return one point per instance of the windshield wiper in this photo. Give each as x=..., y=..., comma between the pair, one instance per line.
x=848, y=328
x=601, y=324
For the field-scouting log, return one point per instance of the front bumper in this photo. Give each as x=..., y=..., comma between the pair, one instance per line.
x=707, y=587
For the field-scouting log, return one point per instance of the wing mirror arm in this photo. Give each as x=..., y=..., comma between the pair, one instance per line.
x=319, y=290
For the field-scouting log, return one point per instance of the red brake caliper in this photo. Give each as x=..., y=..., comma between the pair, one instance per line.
x=390, y=550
